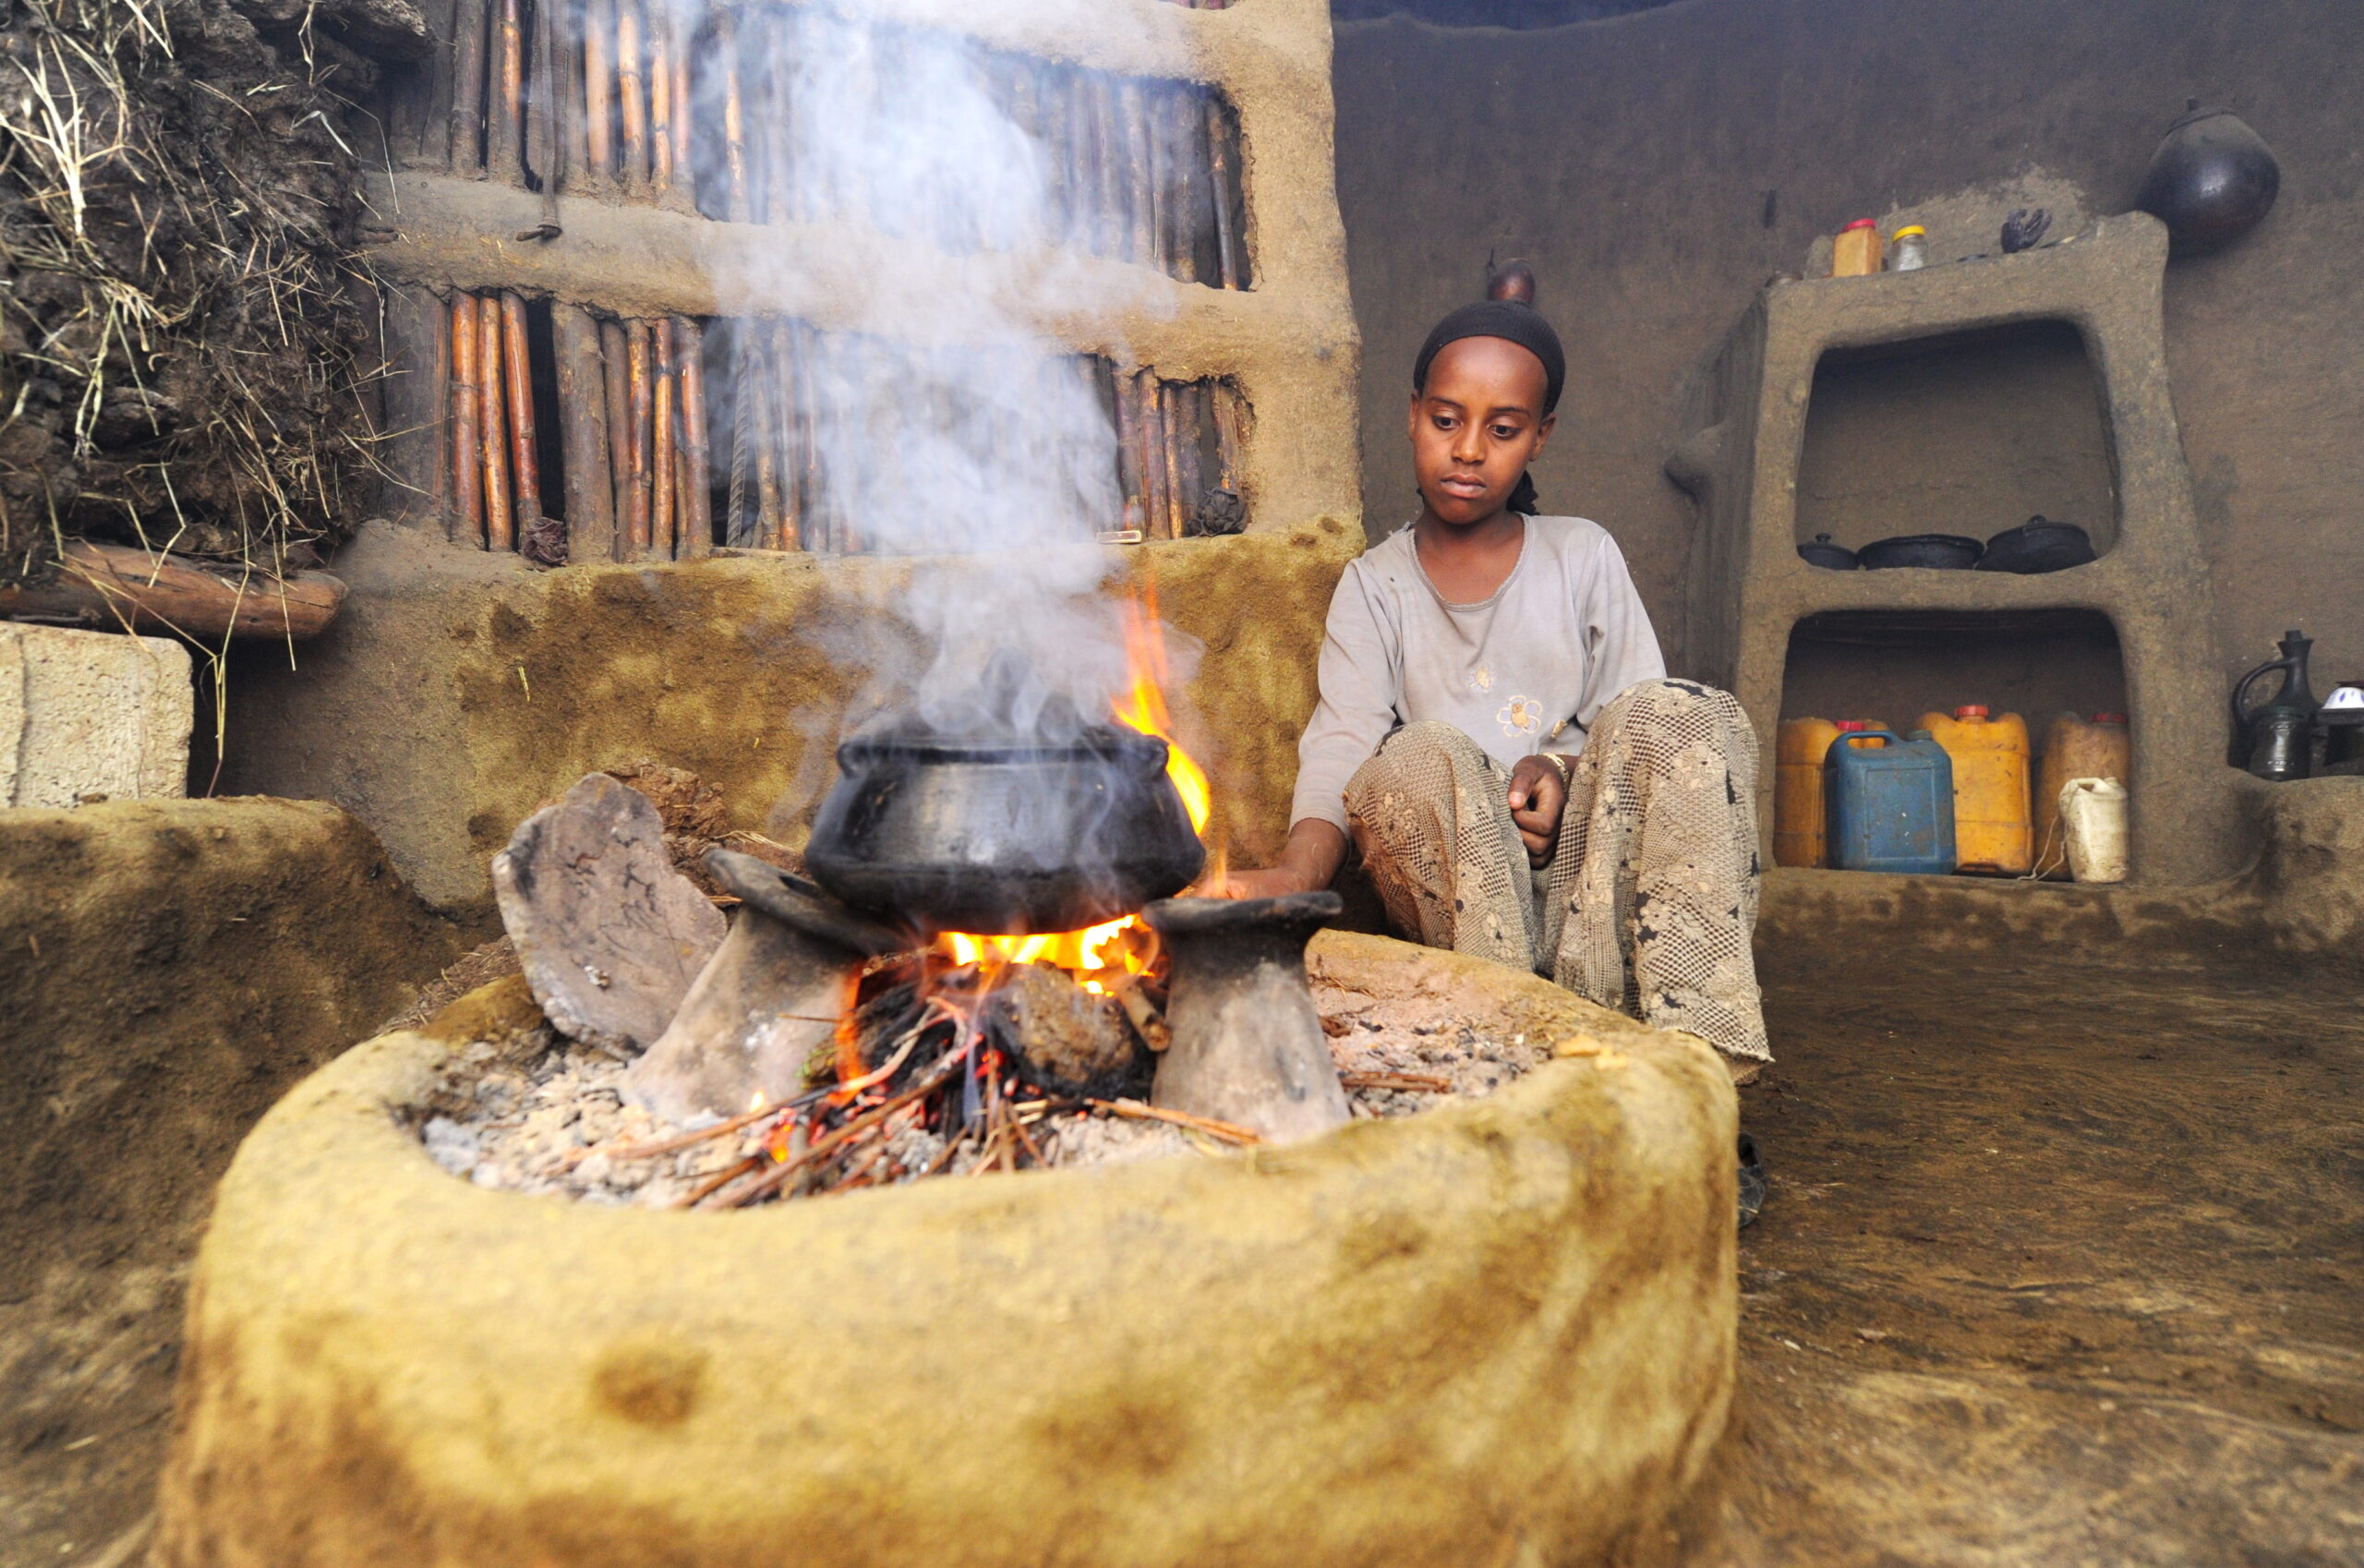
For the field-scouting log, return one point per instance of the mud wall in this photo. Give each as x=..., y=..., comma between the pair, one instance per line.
x=459, y=690
x=1658, y=167
x=167, y=969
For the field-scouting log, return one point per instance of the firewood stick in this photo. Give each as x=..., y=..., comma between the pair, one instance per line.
x=583, y=402
x=468, y=54
x=719, y=1180
x=615, y=355
x=657, y=35
x=667, y=450
x=598, y=91
x=1428, y=1082
x=492, y=443
x=631, y=101
x=1227, y=1131
x=636, y=374
x=697, y=509
x=823, y=1147
x=1171, y=400
x=1227, y=266
x=1150, y=434
x=467, y=467
x=734, y=117
x=517, y=378
x=504, y=147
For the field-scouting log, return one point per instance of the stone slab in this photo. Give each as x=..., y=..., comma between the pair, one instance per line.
x=608, y=933
x=88, y=714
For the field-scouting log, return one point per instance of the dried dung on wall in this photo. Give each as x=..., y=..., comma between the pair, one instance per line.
x=184, y=337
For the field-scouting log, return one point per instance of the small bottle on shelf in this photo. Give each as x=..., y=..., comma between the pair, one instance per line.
x=1855, y=253
x=1908, y=248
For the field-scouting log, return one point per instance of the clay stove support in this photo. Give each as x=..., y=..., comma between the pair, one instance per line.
x=1248, y=1043
x=772, y=992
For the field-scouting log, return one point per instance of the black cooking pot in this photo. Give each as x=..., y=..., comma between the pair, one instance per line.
x=1946, y=551
x=2212, y=180
x=2037, y=545
x=1821, y=552
x=999, y=833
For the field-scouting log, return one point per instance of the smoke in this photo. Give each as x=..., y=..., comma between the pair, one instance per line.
x=955, y=430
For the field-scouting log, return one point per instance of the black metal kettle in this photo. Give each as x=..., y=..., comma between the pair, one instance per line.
x=2276, y=734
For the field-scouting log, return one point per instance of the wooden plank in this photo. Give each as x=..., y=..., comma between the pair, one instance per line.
x=583, y=403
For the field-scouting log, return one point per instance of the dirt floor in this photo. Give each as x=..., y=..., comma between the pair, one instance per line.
x=2062, y=1265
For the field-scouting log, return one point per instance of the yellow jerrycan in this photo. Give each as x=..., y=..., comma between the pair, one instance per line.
x=1991, y=816
x=1798, y=753
x=1798, y=826
x=2074, y=748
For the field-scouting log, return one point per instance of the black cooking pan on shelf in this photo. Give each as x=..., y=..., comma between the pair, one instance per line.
x=2037, y=545
x=1949, y=552
x=1823, y=553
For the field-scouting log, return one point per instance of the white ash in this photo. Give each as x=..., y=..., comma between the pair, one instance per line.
x=557, y=1124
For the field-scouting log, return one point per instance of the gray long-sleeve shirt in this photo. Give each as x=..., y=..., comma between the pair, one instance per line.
x=1524, y=671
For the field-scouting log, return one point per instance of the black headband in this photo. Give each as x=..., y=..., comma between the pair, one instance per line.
x=1521, y=324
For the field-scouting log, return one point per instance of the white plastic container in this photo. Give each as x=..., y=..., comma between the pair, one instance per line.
x=2093, y=813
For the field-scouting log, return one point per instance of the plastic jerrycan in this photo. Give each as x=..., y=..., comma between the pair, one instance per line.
x=2074, y=748
x=1992, y=830
x=1798, y=750
x=1799, y=817
x=1890, y=807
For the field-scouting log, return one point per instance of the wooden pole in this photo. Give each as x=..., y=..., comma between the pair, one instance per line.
x=637, y=520
x=800, y=442
x=736, y=530
x=569, y=83
x=1185, y=173
x=436, y=91
x=598, y=91
x=614, y=355
x=1192, y=481
x=1152, y=442
x=467, y=467
x=583, y=400
x=1129, y=477
x=1173, y=399
x=1140, y=189
x=633, y=104
x=1083, y=182
x=676, y=48
x=545, y=96
x=504, y=150
x=493, y=442
x=1109, y=223
x=734, y=117
x=1227, y=432
x=696, y=507
x=787, y=197
x=664, y=496
x=657, y=22
x=1230, y=253
x=469, y=86
x=525, y=456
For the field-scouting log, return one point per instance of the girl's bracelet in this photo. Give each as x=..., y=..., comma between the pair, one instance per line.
x=1560, y=765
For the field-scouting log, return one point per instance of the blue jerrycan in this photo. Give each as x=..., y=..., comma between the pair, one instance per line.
x=1890, y=808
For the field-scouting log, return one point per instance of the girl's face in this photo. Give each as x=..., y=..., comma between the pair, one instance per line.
x=1476, y=427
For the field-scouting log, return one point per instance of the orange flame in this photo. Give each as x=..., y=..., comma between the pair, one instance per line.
x=1142, y=706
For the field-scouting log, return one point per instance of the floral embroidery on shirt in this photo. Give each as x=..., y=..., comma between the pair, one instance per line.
x=1481, y=679
x=1520, y=715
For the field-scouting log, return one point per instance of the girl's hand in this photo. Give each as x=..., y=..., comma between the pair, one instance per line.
x=1270, y=883
x=1538, y=797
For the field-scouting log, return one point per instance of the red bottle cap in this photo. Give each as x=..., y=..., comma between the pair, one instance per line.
x=1970, y=710
x=2109, y=718
x=1850, y=724
x=1859, y=224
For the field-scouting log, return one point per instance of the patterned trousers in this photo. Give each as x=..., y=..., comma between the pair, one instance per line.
x=1649, y=900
